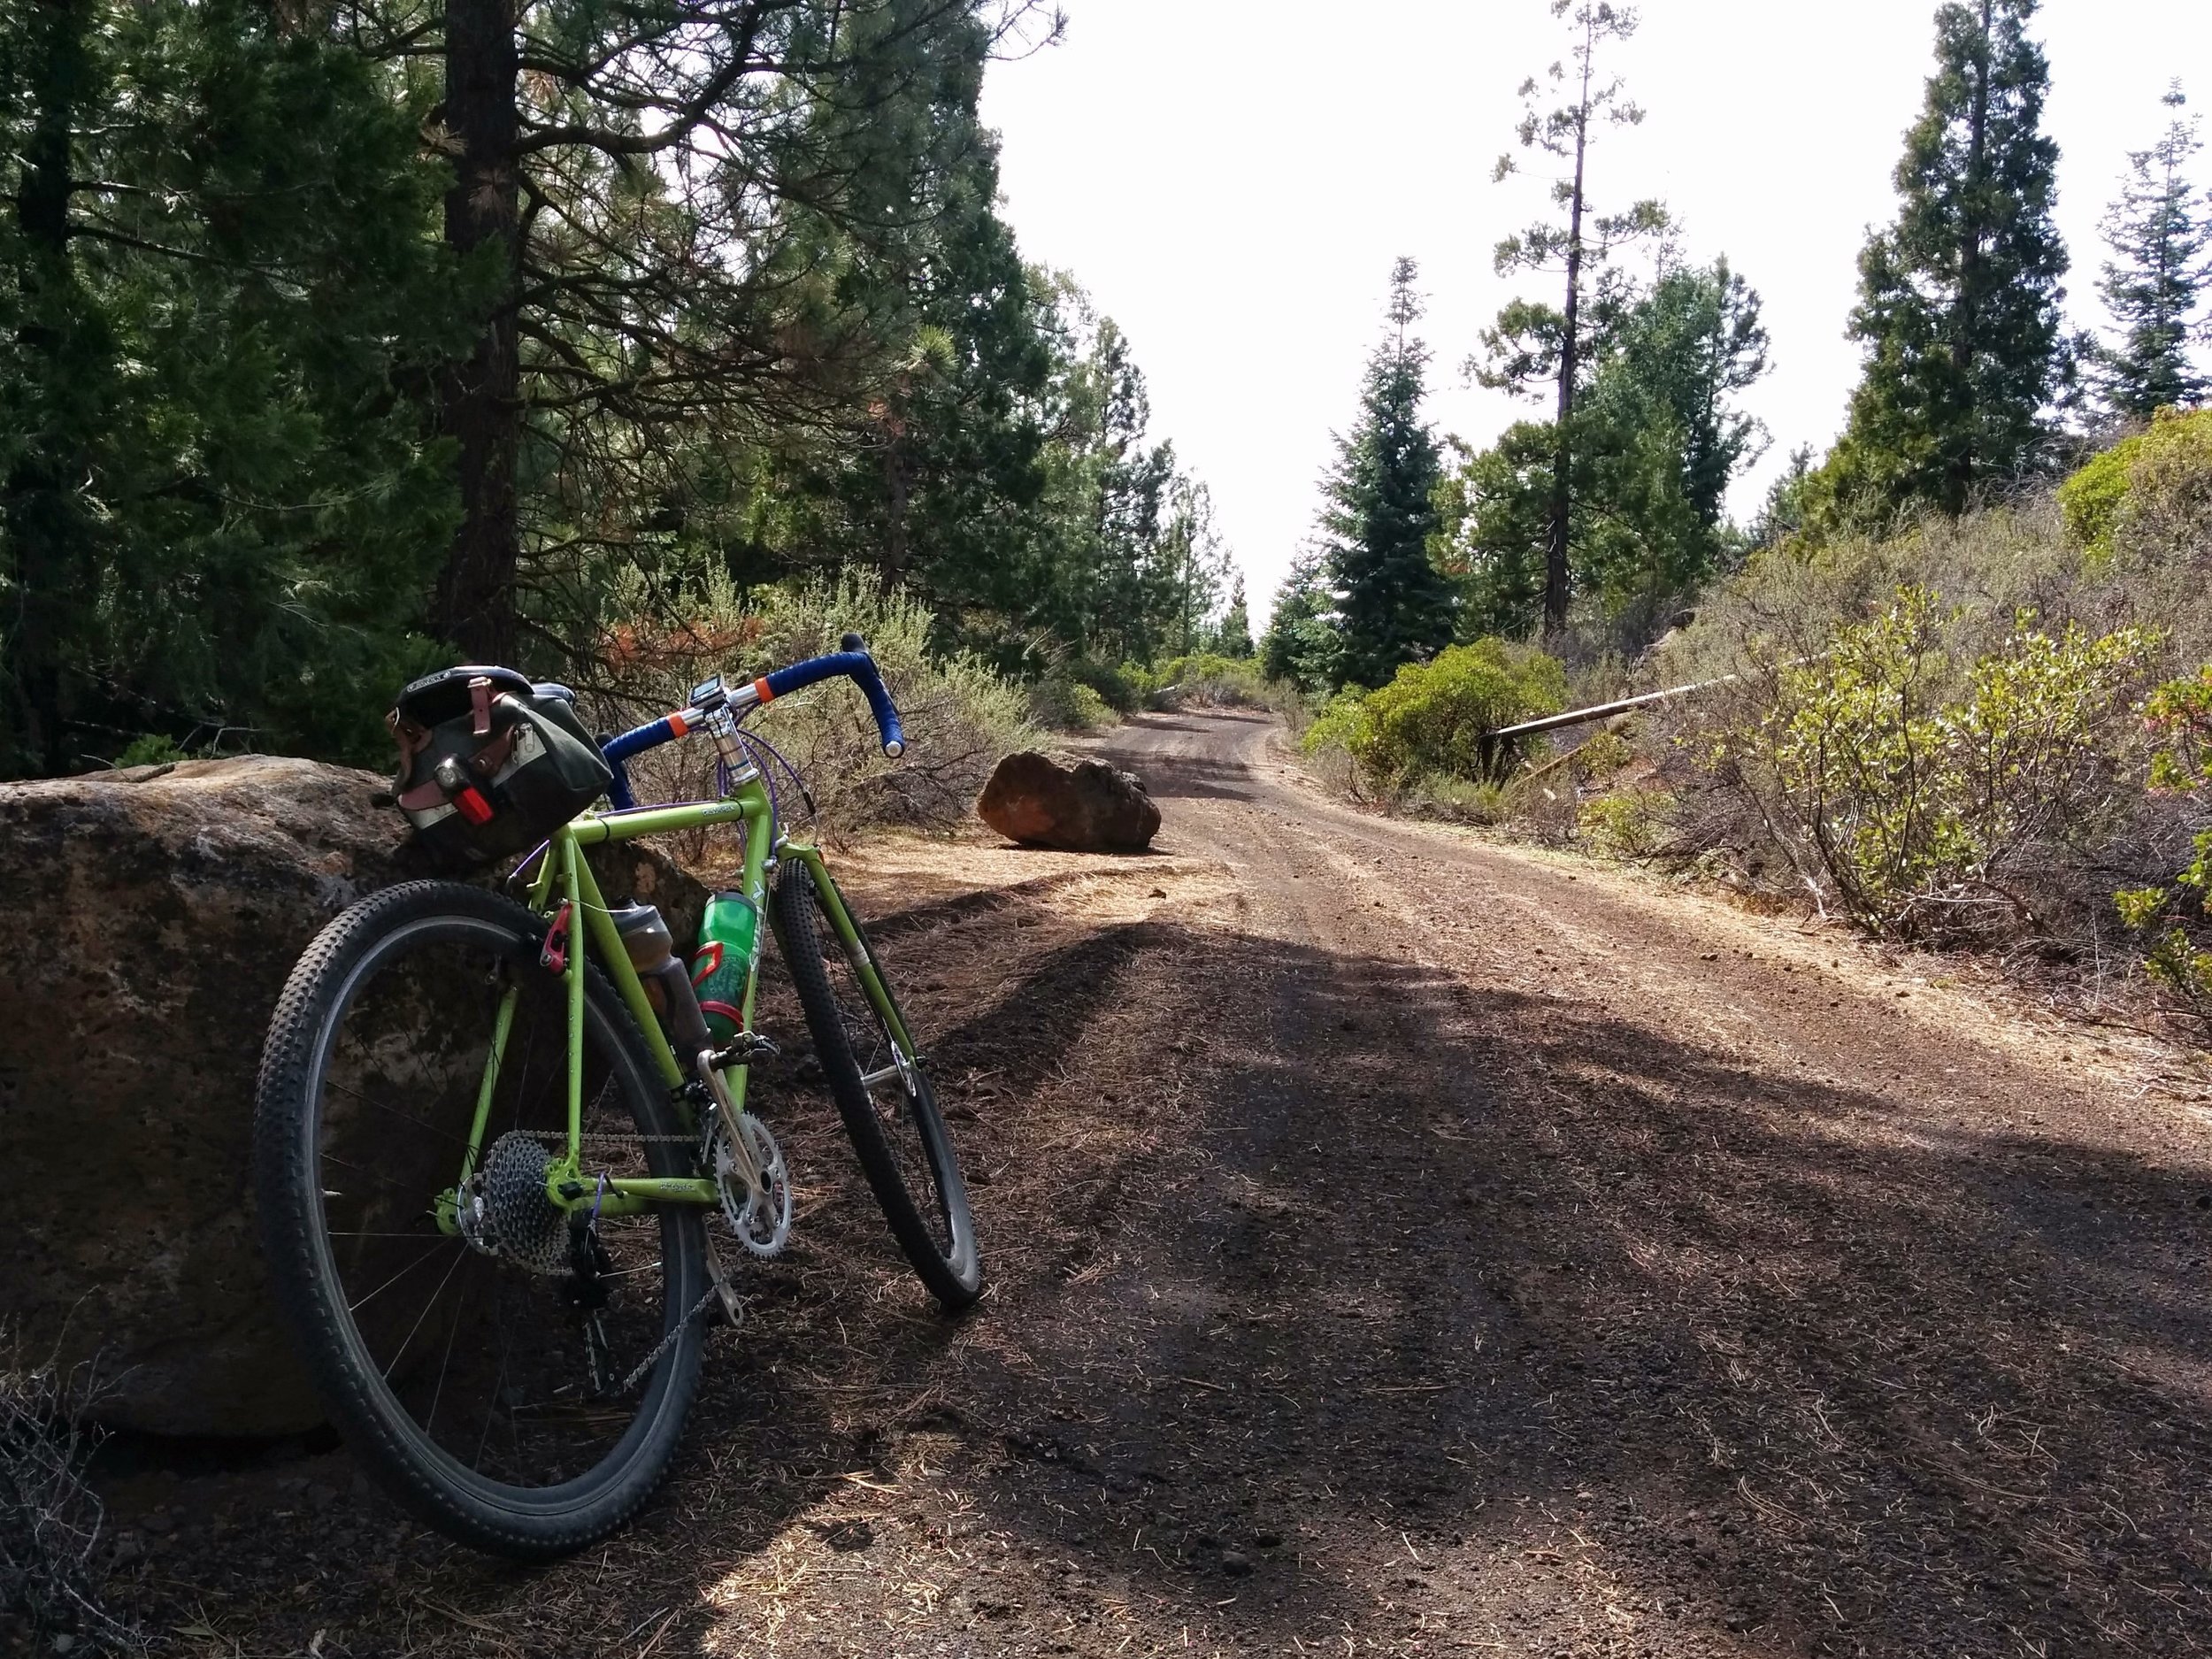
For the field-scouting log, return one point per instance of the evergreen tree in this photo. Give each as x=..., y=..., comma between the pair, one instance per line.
x=1959, y=299
x=1533, y=344
x=1664, y=437
x=1302, y=643
x=1192, y=561
x=2155, y=284
x=1783, y=515
x=1378, y=516
x=222, y=305
x=942, y=475
x=701, y=220
x=1234, y=637
x=1660, y=436
x=1494, y=530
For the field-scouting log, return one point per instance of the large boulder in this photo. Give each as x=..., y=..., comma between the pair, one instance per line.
x=1085, y=808
x=154, y=913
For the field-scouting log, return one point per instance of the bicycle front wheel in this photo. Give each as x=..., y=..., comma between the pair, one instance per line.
x=517, y=1380
x=882, y=1089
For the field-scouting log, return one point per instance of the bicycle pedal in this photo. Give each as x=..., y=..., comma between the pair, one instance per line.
x=748, y=1047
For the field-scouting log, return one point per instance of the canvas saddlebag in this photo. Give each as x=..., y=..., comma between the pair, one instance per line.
x=491, y=764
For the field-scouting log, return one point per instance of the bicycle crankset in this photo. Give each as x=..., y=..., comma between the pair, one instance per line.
x=755, y=1182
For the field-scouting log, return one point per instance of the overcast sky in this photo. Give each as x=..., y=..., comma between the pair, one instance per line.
x=1231, y=179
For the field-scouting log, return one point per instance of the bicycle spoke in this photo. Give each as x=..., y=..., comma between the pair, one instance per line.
x=424, y=1314
x=436, y=1245
x=407, y=1118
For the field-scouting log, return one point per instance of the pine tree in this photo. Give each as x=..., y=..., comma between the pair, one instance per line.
x=701, y=218
x=1379, y=515
x=1663, y=437
x=1191, y=559
x=1234, y=637
x=2155, y=282
x=1783, y=514
x=1495, y=527
x=1959, y=299
x=1659, y=438
x=1303, y=644
x=222, y=305
x=1532, y=344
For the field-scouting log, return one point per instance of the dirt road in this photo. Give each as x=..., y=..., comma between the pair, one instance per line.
x=1400, y=1245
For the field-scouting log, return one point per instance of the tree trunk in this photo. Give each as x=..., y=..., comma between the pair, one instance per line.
x=41, y=498
x=1958, y=485
x=1555, y=571
x=898, y=496
x=479, y=401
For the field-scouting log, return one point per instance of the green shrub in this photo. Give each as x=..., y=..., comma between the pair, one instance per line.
x=1630, y=824
x=152, y=748
x=2180, y=716
x=1211, y=682
x=1461, y=799
x=1069, y=705
x=1924, y=809
x=2092, y=497
x=1122, y=688
x=960, y=716
x=2148, y=496
x=1434, y=718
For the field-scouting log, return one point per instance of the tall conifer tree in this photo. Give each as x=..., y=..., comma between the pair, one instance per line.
x=1233, y=638
x=2154, y=283
x=1533, y=346
x=1378, y=516
x=1959, y=299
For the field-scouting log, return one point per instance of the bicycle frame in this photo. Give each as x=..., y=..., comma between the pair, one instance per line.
x=564, y=876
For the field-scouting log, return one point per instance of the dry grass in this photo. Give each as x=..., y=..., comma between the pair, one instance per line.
x=51, y=1519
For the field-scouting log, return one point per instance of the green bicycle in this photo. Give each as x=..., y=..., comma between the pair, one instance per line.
x=491, y=1135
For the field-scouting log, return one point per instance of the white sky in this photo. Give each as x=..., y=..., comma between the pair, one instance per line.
x=1231, y=179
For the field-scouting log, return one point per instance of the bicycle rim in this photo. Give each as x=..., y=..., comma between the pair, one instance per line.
x=491, y=1357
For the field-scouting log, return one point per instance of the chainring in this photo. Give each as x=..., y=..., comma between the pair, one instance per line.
x=755, y=1184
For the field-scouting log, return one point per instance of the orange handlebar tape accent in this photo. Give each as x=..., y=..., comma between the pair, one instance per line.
x=760, y=687
x=678, y=724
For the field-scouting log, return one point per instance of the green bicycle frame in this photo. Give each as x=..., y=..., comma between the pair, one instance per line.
x=564, y=875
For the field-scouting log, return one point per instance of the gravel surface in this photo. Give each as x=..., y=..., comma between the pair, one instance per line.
x=1399, y=1244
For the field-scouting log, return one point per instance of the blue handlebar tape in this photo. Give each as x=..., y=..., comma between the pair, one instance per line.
x=650, y=735
x=862, y=668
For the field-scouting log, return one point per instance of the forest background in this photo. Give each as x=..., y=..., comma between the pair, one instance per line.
x=341, y=342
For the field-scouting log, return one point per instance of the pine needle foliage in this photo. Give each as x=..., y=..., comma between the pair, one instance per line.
x=1959, y=297
x=2154, y=283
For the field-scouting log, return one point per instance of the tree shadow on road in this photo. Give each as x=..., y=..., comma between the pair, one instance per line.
x=1332, y=1298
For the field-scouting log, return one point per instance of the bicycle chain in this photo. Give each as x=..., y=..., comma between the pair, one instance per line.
x=675, y=1334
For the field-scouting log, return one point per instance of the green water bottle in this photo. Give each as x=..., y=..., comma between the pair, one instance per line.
x=728, y=932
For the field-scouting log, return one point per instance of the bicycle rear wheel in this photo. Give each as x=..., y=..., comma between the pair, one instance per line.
x=882, y=1092
x=519, y=1388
